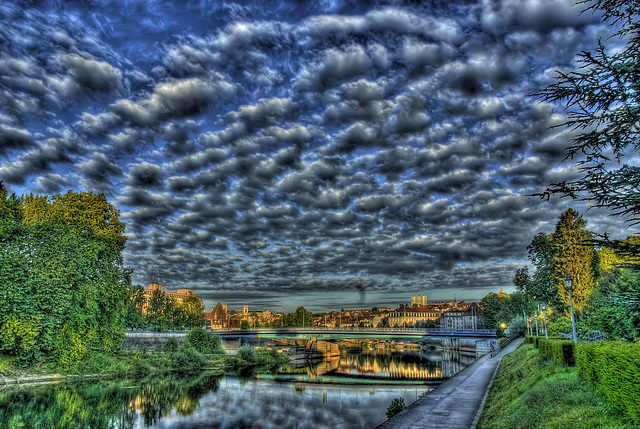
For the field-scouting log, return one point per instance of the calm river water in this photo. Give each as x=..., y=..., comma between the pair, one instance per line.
x=351, y=392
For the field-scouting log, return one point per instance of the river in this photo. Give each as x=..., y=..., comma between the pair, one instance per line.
x=353, y=391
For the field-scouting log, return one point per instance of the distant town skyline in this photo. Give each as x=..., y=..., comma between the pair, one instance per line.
x=321, y=302
x=324, y=154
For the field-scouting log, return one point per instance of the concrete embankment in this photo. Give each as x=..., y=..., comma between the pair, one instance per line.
x=456, y=403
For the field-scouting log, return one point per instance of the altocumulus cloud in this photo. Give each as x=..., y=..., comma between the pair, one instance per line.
x=260, y=153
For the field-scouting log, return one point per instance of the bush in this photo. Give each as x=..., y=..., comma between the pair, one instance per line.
x=269, y=358
x=247, y=354
x=559, y=350
x=397, y=406
x=613, y=368
x=560, y=325
x=516, y=326
x=172, y=345
x=187, y=358
x=204, y=342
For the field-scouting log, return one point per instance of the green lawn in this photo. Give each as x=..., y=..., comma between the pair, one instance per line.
x=532, y=392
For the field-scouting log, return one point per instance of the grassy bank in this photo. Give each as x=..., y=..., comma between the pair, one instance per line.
x=530, y=392
x=199, y=351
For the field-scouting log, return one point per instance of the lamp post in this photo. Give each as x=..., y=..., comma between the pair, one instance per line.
x=568, y=283
x=543, y=306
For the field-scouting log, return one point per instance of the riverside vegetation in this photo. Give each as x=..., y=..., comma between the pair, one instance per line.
x=199, y=351
x=533, y=391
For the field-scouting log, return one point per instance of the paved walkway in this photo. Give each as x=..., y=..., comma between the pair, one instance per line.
x=456, y=403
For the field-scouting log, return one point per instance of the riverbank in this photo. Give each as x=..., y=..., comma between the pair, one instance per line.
x=139, y=362
x=529, y=391
x=455, y=403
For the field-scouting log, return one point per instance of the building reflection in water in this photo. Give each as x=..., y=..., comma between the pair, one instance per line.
x=434, y=365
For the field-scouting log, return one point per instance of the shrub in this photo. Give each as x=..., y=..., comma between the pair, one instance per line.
x=613, y=368
x=560, y=325
x=187, y=358
x=397, y=406
x=517, y=326
x=172, y=345
x=560, y=350
x=18, y=337
x=269, y=358
x=204, y=342
x=247, y=354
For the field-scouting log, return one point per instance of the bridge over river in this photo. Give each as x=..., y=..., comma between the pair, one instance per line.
x=355, y=333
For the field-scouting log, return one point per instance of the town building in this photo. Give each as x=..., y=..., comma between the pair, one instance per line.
x=218, y=318
x=409, y=316
x=179, y=295
x=464, y=316
x=419, y=301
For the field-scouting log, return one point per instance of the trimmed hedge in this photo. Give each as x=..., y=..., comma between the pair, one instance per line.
x=613, y=368
x=560, y=350
x=533, y=339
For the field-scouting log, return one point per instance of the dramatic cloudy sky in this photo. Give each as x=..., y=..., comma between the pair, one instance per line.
x=333, y=154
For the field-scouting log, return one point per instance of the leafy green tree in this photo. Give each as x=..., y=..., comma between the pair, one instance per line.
x=495, y=310
x=191, y=311
x=574, y=254
x=302, y=317
x=62, y=279
x=542, y=285
x=615, y=308
x=603, y=104
x=161, y=310
x=134, y=316
x=498, y=309
x=203, y=341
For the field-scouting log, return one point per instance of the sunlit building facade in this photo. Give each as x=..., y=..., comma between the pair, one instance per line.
x=409, y=316
x=419, y=301
x=179, y=295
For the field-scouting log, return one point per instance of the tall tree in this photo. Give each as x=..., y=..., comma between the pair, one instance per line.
x=603, y=104
x=192, y=312
x=543, y=283
x=574, y=255
x=62, y=278
x=134, y=316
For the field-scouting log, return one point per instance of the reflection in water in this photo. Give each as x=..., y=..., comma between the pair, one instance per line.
x=212, y=401
x=376, y=365
x=201, y=401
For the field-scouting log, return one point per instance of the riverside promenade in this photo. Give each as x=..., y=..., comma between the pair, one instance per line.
x=456, y=403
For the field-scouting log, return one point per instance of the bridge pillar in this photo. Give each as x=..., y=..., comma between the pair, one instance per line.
x=231, y=345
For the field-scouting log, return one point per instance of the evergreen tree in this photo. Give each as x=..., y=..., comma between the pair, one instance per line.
x=603, y=104
x=574, y=255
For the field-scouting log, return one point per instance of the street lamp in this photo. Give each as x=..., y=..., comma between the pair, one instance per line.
x=568, y=282
x=543, y=307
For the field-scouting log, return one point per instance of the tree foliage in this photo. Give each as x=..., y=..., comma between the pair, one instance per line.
x=574, y=255
x=603, y=105
x=135, y=317
x=542, y=285
x=501, y=308
x=191, y=312
x=62, y=280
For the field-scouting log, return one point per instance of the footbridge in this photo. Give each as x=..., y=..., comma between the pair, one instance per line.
x=355, y=333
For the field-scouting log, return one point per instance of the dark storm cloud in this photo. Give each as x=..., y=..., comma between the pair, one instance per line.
x=14, y=138
x=381, y=147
